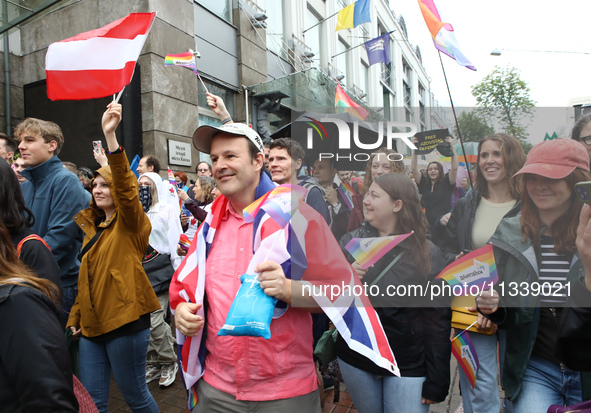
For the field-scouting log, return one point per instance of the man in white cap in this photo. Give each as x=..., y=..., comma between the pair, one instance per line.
x=242, y=374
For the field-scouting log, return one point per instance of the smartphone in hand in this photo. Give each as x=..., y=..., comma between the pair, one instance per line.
x=97, y=146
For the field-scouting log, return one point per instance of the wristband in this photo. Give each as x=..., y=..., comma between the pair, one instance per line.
x=228, y=119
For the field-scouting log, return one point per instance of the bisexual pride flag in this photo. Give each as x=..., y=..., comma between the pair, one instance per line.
x=464, y=352
x=477, y=269
x=181, y=59
x=367, y=251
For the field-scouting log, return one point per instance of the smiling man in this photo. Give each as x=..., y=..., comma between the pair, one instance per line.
x=244, y=374
x=54, y=195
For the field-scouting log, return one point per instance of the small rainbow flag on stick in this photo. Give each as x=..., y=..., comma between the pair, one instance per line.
x=184, y=242
x=280, y=203
x=344, y=103
x=171, y=178
x=367, y=251
x=181, y=59
x=184, y=59
x=463, y=350
x=346, y=190
x=474, y=272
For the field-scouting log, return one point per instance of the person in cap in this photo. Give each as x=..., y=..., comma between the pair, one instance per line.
x=240, y=374
x=538, y=267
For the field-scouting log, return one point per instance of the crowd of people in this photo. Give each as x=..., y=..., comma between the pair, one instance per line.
x=103, y=257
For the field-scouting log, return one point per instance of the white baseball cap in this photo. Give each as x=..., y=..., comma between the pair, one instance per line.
x=204, y=135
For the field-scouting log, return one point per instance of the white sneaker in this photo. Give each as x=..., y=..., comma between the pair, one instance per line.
x=168, y=374
x=152, y=372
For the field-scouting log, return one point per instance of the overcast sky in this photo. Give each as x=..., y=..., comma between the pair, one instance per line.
x=480, y=27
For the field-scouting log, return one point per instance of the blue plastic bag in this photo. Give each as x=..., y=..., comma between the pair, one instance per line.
x=251, y=311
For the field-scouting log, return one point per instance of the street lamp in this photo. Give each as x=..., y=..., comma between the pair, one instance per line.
x=498, y=52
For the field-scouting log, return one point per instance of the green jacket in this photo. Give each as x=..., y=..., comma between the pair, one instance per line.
x=517, y=261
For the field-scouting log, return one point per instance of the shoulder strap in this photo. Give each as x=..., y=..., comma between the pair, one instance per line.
x=394, y=261
x=90, y=243
x=19, y=247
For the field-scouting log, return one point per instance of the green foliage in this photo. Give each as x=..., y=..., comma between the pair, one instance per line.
x=503, y=97
x=472, y=126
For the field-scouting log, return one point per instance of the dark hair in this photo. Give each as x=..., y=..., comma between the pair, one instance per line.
x=49, y=131
x=182, y=175
x=152, y=161
x=14, y=272
x=564, y=229
x=397, y=166
x=441, y=175
x=411, y=218
x=208, y=166
x=579, y=125
x=13, y=212
x=254, y=151
x=9, y=144
x=513, y=157
x=85, y=172
x=294, y=149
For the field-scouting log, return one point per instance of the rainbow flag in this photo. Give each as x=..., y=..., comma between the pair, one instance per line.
x=343, y=103
x=280, y=203
x=442, y=34
x=171, y=178
x=184, y=242
x=353, y=15
x=367, y=251
x=182, y=59
x=346, y=190
x=477, y=269
x=464, y=352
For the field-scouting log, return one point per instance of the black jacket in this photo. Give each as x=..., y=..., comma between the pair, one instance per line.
x=37, y=257
x=458, y=233
x=35, y=373
x=418, y=329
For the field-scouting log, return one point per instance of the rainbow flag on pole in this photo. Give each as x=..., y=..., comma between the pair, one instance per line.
x=182, y=59
x=353, y=15
x=442, y=34
x=346, y=190
x=367, y=251
x=464, y=352
x=343, y=103
x=477, y=268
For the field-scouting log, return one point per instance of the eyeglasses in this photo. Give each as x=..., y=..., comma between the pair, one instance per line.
x=586, y=139
x=203, y=170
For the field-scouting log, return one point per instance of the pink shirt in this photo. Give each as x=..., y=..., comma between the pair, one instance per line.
x=251, y=368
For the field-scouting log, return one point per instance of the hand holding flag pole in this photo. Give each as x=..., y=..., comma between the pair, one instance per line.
x=187, y=60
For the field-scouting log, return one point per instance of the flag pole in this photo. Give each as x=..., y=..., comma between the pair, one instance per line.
x=470, y=326
x=457, y=126
x=116, y=98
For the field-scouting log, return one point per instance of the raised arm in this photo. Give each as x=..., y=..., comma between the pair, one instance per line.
x=217, y=104
x=414, y=164
x=453, y=173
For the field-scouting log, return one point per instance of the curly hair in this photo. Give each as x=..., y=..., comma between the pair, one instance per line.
x=396, y=167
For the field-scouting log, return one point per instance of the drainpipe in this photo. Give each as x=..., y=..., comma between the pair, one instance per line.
x=246, y=103
x=7, y=73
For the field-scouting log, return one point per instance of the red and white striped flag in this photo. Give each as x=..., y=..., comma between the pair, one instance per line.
x=97, y=63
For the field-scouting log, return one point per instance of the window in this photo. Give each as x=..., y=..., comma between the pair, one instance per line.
x=221, y=8
x=274, y=11
x=342, y=60
x=388, y=102
x=312, y=37
x=364, y=77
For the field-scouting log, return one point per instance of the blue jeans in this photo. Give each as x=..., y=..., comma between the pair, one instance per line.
x=69, y=295
x=545, y=384
x=484, y=398
x=383, y=394
x=126, y=357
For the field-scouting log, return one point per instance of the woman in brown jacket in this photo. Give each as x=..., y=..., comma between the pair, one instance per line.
x=112, y=311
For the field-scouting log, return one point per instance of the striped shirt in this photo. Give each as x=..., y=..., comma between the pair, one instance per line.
x=554, y=269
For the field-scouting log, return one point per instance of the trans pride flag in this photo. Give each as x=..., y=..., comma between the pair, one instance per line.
x=305, y=252
x=343, y=103
x=442, y=34
x=367, y=251
x=181, y=59
x=464, y=352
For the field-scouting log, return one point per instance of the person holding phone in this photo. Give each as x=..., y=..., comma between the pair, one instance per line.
x=535, y=251
x=473, y=221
